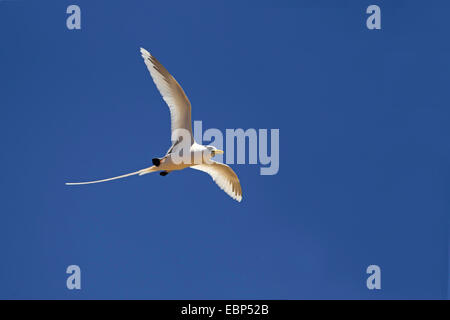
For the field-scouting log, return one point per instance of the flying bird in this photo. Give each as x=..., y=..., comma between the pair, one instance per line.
x=182, y=137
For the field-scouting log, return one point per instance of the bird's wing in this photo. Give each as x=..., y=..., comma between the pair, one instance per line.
x=172, y=93
x=225, y=178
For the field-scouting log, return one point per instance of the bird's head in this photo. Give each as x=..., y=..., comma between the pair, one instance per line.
x=213, y=150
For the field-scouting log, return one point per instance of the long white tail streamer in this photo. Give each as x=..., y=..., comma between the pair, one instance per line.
x=140, y=172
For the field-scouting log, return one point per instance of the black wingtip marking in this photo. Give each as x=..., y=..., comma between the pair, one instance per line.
x=156, y=162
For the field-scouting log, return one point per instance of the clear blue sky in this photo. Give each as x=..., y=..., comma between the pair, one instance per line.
x=364, y=150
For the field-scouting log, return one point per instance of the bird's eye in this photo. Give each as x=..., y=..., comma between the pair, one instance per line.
x=213, y=153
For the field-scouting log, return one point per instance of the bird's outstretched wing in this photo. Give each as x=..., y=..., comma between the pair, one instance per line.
x=172, y=93
x=225, y=178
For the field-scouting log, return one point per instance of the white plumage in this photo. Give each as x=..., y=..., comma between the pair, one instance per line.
x=180, y=114
x=172, y=93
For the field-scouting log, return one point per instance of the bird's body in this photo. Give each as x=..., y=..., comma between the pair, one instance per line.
x=172, y=161
x=184, y=152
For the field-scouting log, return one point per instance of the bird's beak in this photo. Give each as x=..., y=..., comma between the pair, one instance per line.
x=219, y=151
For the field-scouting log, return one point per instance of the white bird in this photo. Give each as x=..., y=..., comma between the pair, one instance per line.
x=182, y=137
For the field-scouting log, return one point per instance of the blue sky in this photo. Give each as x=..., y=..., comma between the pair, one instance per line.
x=363, y=118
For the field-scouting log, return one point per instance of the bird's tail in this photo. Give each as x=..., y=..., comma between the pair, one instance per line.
x=140, y=172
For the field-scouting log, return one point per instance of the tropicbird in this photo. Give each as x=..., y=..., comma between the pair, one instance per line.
x=181, y=127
